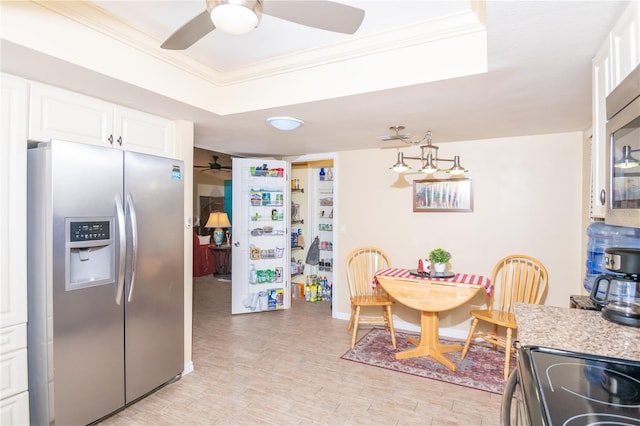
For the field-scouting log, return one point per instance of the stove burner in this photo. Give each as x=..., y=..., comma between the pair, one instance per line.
x=621, y=387
x=580, y=390
x=588, y=419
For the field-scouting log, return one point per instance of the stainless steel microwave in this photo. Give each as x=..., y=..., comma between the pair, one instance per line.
x=623, y=152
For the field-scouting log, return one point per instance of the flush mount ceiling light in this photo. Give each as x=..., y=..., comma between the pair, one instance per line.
x=235, y=16
x=284, y=123
x=428, y=156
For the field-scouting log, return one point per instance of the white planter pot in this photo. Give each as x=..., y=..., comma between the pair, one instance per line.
x=440, y=267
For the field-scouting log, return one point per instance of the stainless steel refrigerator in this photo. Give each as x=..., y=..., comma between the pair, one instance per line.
x=105, y=279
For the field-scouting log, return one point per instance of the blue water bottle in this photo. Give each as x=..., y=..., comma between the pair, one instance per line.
x=602, y=236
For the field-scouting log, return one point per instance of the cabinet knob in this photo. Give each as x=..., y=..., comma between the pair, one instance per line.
x=603, y=197
x=110, y=139
x=120, y=140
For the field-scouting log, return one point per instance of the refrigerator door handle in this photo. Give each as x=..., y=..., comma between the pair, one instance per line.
x=134, y=244
x=123, y=247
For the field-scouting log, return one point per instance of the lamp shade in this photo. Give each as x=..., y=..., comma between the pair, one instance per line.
x=456, y=169
x=429, y=167
x=627, y=161
x=218, y=220
x=400, y=166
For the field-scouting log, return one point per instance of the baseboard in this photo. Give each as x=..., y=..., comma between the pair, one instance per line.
x=188, y=368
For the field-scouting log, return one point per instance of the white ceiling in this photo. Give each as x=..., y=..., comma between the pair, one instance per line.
x=538, y=79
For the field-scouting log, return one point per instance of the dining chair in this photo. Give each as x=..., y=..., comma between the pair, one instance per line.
x=362, y=264
x=517, y=278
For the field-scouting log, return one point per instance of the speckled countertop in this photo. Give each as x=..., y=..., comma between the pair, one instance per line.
x=576, y=330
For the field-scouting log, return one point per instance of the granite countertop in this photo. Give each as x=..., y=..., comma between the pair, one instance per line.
x=576, y=330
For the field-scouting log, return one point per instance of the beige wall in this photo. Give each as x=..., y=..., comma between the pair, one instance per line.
x=528, y=195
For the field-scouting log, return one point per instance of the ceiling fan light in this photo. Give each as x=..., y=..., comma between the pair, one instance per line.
x=236, y=16
x=284, y=123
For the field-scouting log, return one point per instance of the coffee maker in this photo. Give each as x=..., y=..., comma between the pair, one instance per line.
x=617, y=295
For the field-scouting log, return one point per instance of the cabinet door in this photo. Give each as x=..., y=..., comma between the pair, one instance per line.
x=601, y=80
x=13, y=202
x=58, y=114
x=15, y=410
x=625, y=43
x=141, y=132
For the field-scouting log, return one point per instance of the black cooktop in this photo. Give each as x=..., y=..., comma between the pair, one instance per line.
x=575, y=389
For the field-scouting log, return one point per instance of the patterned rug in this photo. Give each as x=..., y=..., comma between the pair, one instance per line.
x=481, y=368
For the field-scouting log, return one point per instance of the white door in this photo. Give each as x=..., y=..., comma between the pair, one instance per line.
x=261, y=236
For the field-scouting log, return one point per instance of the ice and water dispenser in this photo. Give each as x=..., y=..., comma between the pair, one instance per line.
x=89, y=252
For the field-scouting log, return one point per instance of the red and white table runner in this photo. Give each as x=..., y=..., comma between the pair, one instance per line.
x=458, y=278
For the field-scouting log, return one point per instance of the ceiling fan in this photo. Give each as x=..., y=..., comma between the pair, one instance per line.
x=240, y=16
x=396, y=136
x=214, y=166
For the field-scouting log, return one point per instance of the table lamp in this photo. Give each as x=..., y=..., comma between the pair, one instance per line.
x=218, y=220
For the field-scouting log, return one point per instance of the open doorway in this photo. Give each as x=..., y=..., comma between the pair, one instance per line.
x=312, y=198
x=211, y=193
x=211, y=186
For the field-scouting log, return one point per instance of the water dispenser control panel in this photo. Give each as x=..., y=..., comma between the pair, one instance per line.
x=90, y=252
x=89, y=231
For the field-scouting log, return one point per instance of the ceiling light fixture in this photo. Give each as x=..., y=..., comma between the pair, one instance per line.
x=235, y=16
x=428, y=158
x=284, y=123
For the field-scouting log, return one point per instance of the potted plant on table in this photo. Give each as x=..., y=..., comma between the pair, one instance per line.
x=439, y=258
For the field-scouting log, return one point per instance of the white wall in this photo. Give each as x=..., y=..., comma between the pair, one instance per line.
x=527, y=199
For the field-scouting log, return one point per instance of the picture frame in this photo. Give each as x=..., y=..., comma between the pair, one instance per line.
x=442, y=195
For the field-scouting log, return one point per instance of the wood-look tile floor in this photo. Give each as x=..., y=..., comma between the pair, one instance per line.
x=284, y=368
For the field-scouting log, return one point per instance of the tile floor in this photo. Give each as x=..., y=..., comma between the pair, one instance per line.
x=284, y=368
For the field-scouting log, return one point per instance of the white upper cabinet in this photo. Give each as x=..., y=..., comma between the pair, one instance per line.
x=624, y=43
x=618, y=56
x=59, y=114
x=146, y=133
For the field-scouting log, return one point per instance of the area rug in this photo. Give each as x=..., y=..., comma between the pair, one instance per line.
x=481, y=369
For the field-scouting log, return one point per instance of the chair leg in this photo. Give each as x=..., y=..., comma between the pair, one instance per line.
x=465, y=349
x=507, y=354
x=350, y=324
x=389, y=317
x=495, y=335
x=356, y=319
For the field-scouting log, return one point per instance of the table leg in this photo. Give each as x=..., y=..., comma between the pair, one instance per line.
x=429, y=343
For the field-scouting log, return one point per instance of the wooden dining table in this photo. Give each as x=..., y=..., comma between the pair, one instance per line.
x=430, y=296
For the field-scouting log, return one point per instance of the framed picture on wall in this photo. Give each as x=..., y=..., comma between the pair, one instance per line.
x=442, y=195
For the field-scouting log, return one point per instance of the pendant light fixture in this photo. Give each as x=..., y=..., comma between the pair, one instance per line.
x=400, y=166
x=627, y=161
x=428, y=158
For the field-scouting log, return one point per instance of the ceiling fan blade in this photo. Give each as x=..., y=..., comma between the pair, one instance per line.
x=325, y=15
x=393, y=138
x=190, y=32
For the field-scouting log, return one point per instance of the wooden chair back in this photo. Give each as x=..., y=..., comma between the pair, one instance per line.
x=518, y=278
x=362, y=264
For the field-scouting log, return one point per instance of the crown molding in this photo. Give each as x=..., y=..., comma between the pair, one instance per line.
x=405, y=37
